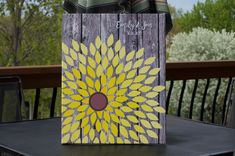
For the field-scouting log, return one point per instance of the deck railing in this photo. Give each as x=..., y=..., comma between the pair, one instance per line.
x=39, y=77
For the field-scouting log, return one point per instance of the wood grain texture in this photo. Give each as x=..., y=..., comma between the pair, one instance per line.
x=84, y=28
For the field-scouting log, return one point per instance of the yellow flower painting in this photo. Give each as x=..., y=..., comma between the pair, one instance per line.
x=108, y=96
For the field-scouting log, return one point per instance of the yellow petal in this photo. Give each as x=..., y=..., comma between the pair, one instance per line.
x=123, y=131
x=74, y=104
x=119, y=140
x=76, y=97
x=154, y=71
x=128, y=66
x=93, y=118
x=132, y=105
x=64, y=65
x=66, y=101
x=92, y=134
x=84, y=122
x=91, y=62
x=68, y=91
x=133, y=93
x=131, y=74
x=149, y=60
x=119, y=113
x=97, y=85
x=130, y=56
x=85, y=140
x=75, y=126
x=121, y=92
x=89, y=82
x=75, y=45
x=105, y=126
x=139, y=129
x=73, y=54
x=152, y=134
x=65, y=128
x=152, y=116
x=69, y=75
x=132, y=119
x=145, y=123
x=160, y=109
x=140, y=114
x=146, y=108
x=80, y=116
x=125, y=123
x=115, y=104
x=82, y=58
x=139, y=99
x=92, y=49
x=90, y=72
x=68, y=113
x=115, y=118
x=107, y=116
x=98, y=126
x=109, y=108
x=86, y=129
x=144, y=70
x=104, y=90
x=81, y=84
x=140, y=78
x=97, y=57
x=75, y=135
x=136, y=86
x=67, y=120
x=110, y=40
x=76, y=73
x=133, y=135
x=117, y=46
x=103, y=49
x=84, y=49
x=152, y=103
x=65, y=48
x=99, y=70
x=138, y=63
x=150, y=80
x=126, y=83
x=65, y=139
x=114, y=129
x=110, y=54
x=121, y=99
x=112, y=82
x=97, y=42
x=103, y=79
x=122, y=52
x=112, y=91
x=143, y=139
x=111, y=139
x=110, y=71
x=115, y=61
x=120, y=78
x=83, y=92
x=110, y=97
x=82, y=68
x=159, y=88
x=69, y=60
x=151, y=94
x=119, y=68
x=126, y=109
x=100, y=114
x=72, y=85
x=105, y=62
x=139, y=53
x=156, y=125
x=82, y=108
x=145, y=89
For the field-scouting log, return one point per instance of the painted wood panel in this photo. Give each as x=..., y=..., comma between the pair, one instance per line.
x=113, y=79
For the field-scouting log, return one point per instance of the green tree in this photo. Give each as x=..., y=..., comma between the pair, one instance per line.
x=30, y=29
x=211, y=14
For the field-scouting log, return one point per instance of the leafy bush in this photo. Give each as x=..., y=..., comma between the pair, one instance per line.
x=198, y=45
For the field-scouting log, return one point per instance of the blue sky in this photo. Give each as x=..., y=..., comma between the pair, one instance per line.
x=186, y=5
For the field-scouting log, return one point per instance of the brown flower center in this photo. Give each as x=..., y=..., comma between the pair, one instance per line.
x=98, y=101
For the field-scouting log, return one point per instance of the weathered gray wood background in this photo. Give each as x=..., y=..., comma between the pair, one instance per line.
x=86, y=27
